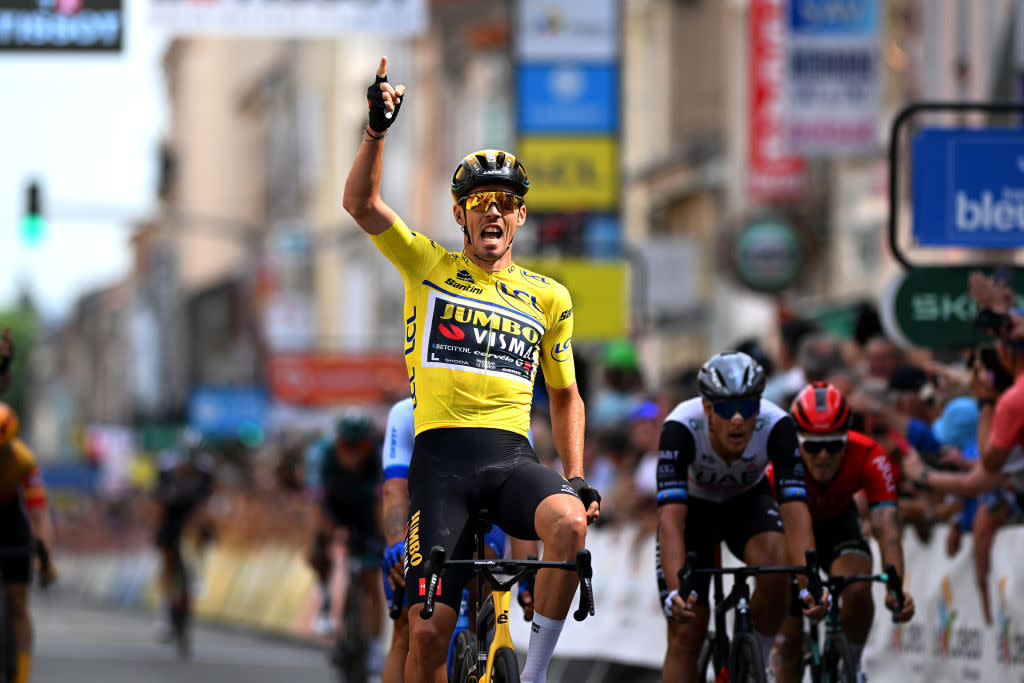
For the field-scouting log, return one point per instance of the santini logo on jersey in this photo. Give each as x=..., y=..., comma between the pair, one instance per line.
x=451, y=282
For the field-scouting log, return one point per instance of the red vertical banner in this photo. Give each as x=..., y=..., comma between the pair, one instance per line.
x=773, y=173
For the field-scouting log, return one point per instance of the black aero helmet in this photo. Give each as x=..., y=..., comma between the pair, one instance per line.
x=731, y=375
x=489, y=167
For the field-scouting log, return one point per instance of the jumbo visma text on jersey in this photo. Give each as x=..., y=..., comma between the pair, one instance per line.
x=467, y=335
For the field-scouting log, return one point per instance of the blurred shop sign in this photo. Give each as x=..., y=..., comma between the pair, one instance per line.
x=61, y=25
x=567, y=29
x=572, y=173
x=600, y=294
x=334, y=379
x=832, y=76
x=671, y=279
x=395, y=18
x=774, y=174
x=578, y=98
x=226, y=412
x=968, y=187
x=930, y=307
x=767, y=253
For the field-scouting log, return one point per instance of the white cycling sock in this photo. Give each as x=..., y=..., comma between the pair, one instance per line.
x=766, y=643
x=543, y=637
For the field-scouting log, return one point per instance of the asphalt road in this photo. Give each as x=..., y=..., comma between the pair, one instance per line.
x=78, y=643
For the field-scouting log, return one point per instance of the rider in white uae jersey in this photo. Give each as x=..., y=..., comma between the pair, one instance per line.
x=708, y=476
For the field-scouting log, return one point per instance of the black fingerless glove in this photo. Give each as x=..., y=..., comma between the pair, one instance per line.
x=379, y=121
x=587, y=493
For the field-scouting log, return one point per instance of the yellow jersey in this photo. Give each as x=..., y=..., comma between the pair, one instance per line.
x=18, y=472
x=473, y=339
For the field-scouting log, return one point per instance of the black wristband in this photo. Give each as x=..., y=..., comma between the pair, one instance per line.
x=922, y=481
x=982, y=402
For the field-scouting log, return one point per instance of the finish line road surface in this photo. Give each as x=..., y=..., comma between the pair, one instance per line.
x=76, y=643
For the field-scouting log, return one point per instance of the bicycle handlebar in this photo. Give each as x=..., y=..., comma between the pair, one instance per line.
x=810, y=570
x=585, y=570
x=582, y=566
x=894, y=584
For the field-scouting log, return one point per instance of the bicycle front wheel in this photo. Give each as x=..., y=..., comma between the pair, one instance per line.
x=839, y=664
x=506, y=666
x=463, y=657
x=747, y=662
x=706, y=660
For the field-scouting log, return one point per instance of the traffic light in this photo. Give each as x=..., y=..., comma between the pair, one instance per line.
x=33, y=223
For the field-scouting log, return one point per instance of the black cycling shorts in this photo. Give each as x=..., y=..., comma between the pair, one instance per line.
x=455, y=472
x=734, y=521
x=840, y=535
x=15, y=542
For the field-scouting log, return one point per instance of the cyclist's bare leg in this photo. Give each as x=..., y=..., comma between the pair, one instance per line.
x=561, y=523
x=684, y=643
x=394, y=665
x=428, y=644
x=789, y=650
x=21, y=622
x=766, y=610
x=858, y=606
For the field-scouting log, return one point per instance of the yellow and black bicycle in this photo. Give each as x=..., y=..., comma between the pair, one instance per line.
x=477, y=660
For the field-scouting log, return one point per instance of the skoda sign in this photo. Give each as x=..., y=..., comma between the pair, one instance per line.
x=930, y=307
x=968, y=187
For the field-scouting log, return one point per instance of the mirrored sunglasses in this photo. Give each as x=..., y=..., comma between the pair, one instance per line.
x=833, y=444
x=481, y=201
x=746, y=407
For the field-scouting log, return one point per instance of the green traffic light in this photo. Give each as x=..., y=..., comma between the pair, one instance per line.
x=33, y=229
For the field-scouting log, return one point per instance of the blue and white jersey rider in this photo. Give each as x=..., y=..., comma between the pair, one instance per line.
x=695, y=470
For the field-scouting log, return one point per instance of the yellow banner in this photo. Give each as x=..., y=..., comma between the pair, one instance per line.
x=599, y=291
x=571, y=174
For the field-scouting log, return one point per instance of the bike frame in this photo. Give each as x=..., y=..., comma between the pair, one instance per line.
x=513, y=571
x=738, y=599
x=833, y=619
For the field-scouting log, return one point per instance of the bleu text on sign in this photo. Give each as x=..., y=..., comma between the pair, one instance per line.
x=968, y=187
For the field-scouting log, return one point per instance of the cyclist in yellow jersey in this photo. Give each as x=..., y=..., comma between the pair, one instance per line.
x=477, y=326
x=23, y=524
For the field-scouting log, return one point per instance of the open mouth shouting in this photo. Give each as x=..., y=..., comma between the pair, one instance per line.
x=492, y=234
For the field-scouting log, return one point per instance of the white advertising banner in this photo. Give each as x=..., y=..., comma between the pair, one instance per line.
x=272, y=18
x=581, y=30
x=832, y=76
x=947, y=641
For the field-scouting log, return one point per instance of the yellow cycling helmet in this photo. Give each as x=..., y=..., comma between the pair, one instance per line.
x=489, y=167
x=8, y=424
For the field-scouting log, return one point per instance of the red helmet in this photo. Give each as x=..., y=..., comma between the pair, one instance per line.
x=820, y=408
x=8, y=424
